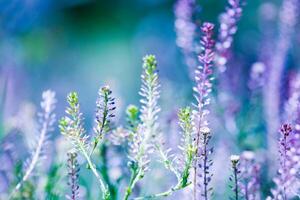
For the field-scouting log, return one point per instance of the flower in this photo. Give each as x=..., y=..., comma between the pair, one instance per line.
x=203, y=78
x=186, y=31
x=228, y=27
x=234, y=159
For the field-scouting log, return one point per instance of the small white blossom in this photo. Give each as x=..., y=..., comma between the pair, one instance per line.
x=234, y=158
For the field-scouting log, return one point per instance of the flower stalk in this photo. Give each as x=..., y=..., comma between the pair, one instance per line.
x=73, y=168
x=71, y=126
x=235, y=159
x=47, y=118
x=104, y=112
x=203, y=78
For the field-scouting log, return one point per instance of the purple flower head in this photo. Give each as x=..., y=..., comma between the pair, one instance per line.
x=203, y=74
x=186, y=31
x=202, y=133
x=285, y=178
x=207, y=41
x=73, y=173
x=185, y=28
x=250, y=176
x=228, y=27
x=286, y=129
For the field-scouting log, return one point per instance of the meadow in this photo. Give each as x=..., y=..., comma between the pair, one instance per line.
x=185, y=99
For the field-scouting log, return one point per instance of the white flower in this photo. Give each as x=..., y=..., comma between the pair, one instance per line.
x=205, y=130
x=234, y=158
x=48, y=101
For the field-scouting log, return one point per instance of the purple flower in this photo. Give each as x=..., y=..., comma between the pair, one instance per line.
x=228, y=27
x=185, y=31
x=203, y=78
x=285, y=177
x=276, y=64
x=73, y=172
x=250, y=176
x=292, y=113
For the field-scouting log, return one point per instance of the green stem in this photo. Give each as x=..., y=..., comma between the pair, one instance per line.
x=103, y=187
x=167, y=162
x=104, y=171
x=133, y=180
x=236, y=189
x=162, y=194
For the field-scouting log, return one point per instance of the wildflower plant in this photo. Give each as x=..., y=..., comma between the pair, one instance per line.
x=46, y=119
x=284, y=179
x=188, y=146
x=203, y=79
x=186, y=31
x=145, y=136
x=119, y=156
x=146, y=133
x=104, y=113
x=235, y=177
x=72, y=127
x=228, y=27
x=73, y=172
x=250, y=176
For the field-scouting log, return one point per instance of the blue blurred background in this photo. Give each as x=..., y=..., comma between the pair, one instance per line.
x=81, y=45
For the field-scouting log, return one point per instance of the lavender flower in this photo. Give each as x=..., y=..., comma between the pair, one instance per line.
x=104, y=112
x=292, y=110
x=288, y=18
x=186, y=30
x=71, y=126
x=146, y=135
x=234, y=178
x=47, y=119
x=284, y=179
x=145, y=139
x=203, y=78
x=250, y=176
x=188, y=148
x=73, y=172
x=228, y=27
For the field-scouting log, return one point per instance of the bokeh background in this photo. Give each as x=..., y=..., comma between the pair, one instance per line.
x=81, y=45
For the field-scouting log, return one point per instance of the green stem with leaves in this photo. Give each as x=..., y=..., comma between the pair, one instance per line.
x=133, y=180
x=104, y=171
x=104, y=189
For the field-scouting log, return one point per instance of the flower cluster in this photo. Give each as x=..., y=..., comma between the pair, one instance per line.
x=188, y=145
x=47, y=119
x=228, y=27
x=72, y=127
x=285, y=173
x=250, y=176
x=73, y=172
x=203, y=78
x=186, y=30
x=105, y=105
